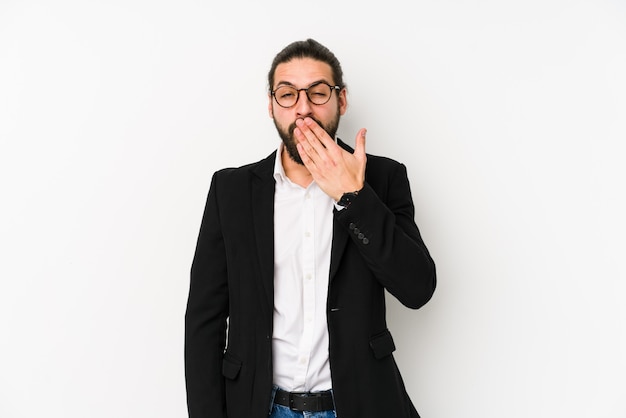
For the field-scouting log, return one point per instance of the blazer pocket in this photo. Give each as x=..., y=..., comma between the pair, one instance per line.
x=230, y=366
x=382, y=344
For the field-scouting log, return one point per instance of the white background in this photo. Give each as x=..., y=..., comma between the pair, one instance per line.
x=510, y=117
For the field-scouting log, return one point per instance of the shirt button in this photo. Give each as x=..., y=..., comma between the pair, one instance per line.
x=307, y=234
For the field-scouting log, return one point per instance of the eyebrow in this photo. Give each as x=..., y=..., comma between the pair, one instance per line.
x=287, y=83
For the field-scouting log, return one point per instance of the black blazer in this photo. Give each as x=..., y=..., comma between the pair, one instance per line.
x=376, y=246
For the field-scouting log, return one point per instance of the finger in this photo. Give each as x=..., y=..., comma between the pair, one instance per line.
x=312, y=143
x=306, y=143
x=319, y=132
x=306, y=133
x=306, y=159
x=359, y=148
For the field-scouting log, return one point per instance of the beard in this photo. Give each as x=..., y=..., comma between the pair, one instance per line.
x=289, y=139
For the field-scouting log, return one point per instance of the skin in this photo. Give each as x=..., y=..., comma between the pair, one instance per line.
x=335, y=170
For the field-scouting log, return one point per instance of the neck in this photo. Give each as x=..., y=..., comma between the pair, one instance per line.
x=297, y=173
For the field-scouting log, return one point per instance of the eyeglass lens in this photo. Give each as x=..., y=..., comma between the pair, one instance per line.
x=318, y=94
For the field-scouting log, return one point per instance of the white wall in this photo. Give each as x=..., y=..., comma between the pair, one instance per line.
x=510, y=117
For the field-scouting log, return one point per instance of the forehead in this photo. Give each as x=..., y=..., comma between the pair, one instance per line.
x=302, y=71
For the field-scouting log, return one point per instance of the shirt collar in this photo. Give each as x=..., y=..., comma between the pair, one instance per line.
x=279, y=170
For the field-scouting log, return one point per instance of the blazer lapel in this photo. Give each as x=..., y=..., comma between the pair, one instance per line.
x=262, y=203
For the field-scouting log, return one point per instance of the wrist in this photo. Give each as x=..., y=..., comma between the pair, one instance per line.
x=347, y=198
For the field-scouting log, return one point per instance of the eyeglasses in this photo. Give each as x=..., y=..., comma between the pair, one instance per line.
x=318, y=93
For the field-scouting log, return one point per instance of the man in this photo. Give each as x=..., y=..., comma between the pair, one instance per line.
x=286, y=309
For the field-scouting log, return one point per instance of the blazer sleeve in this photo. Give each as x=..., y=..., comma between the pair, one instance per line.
x=381, y=224
x=206, y=317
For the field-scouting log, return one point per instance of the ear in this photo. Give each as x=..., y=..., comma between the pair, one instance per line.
x=270, y=107
x=343, y=101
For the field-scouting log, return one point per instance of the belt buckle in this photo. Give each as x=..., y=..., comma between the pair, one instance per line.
x=310, y=402
x=292, y=395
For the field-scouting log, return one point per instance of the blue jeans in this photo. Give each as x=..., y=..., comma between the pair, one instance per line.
x=280, y=411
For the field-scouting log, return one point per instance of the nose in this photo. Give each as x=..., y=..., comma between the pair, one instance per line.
x=303, y=105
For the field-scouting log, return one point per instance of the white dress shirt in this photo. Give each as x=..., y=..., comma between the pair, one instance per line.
x=303, y=228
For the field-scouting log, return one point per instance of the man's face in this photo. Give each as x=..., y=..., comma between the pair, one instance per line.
x=301, y=73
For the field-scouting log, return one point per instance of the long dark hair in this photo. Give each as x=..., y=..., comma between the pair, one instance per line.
x=307, y=49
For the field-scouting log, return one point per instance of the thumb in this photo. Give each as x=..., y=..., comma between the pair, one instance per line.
x=359, y=143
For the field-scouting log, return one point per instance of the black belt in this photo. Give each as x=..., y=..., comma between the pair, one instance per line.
x=305, y=401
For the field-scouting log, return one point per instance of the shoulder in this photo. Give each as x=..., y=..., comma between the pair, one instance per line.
x=377, y=162
x=383, y=163
x=384, y=174
x=259, y=168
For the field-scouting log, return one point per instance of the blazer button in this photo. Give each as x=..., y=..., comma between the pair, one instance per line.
x=356, y=231
x=351, y=226
x=365, y=241
x=361, y=236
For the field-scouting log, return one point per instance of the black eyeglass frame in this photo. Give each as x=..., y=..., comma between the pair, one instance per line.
x=306, y=91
